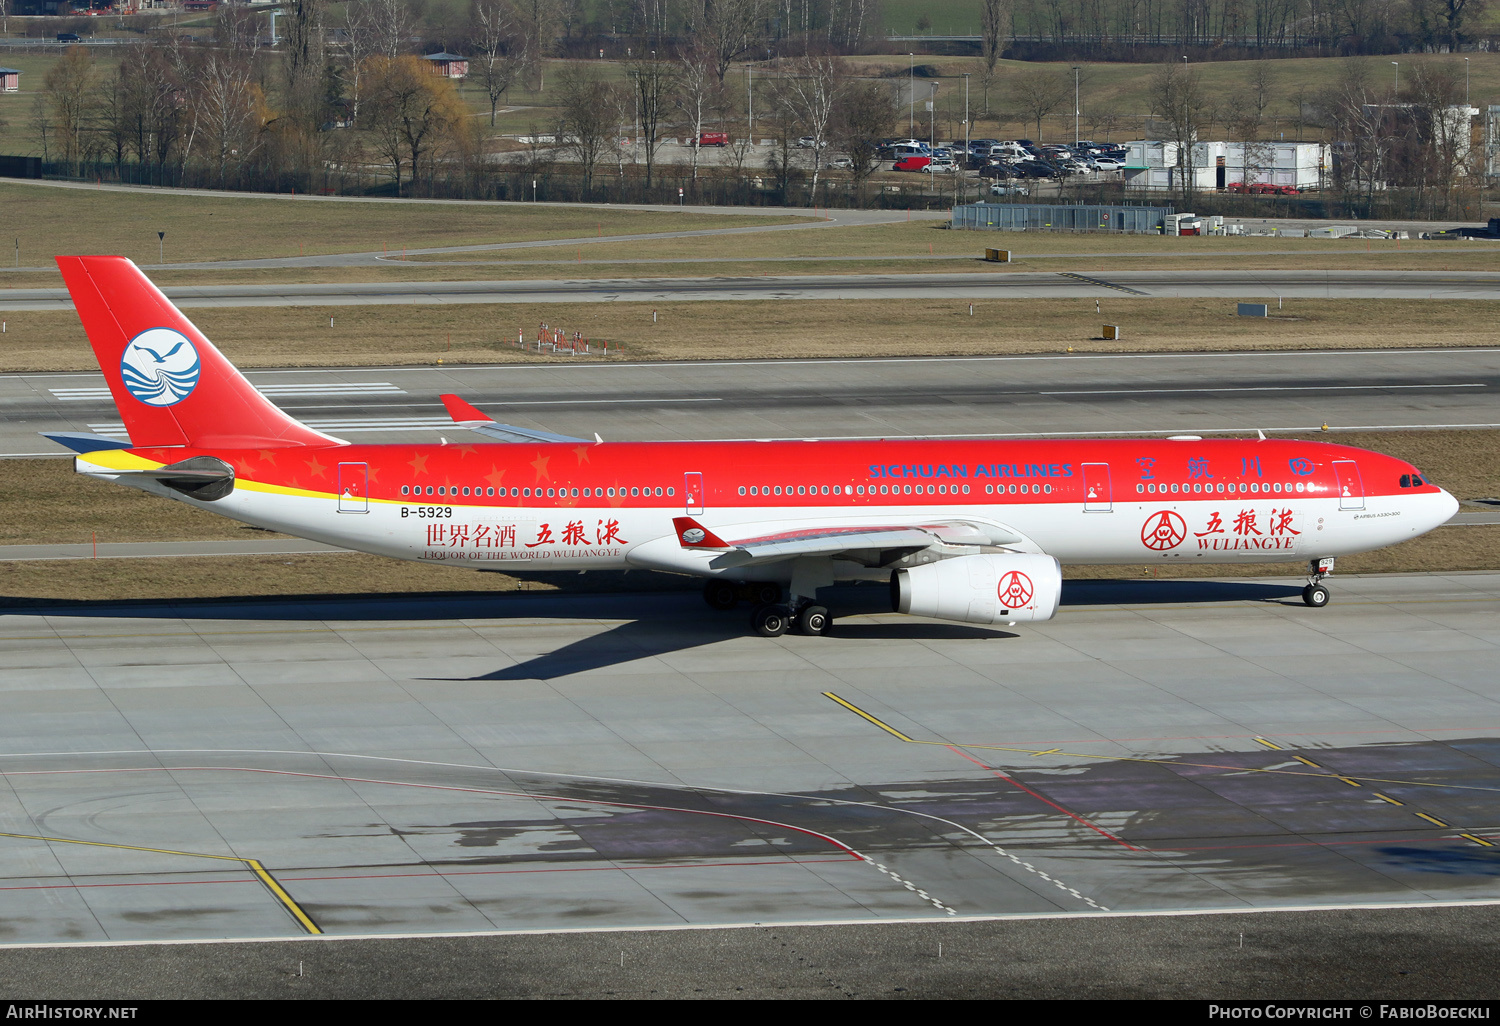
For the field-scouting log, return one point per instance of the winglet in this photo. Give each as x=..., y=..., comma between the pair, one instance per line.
x=693, y=535
x=463, y=412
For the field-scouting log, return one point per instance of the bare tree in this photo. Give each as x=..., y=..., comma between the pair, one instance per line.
x=538, y=29
x=1037, y=93
x=391, y=23
x=866, y=114
x=697, y=94
x=41, y=122
x=1179, y=100
x=654, y=81
x=811, y=88
x=1105, y=121
x=496, y=53
x=994, y=30
x=69, y=88
x=228, y=108
x=362, y=41
x=305, y=60
x=729, y=28
x=588, y=118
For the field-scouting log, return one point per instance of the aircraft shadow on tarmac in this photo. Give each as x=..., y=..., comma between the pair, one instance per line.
x=641, y=639
x=655, y=623
x=577, y=603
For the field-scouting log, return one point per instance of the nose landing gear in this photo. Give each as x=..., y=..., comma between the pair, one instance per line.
x=1315, y=594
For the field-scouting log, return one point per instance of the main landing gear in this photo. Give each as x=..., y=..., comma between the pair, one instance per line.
x=1315, y=594
x=772, y=616
x=772, y=621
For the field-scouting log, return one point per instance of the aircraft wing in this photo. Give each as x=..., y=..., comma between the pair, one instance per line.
x=833, y=539
x=466, y=416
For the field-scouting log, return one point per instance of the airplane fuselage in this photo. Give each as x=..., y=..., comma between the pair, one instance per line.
x=519, y=507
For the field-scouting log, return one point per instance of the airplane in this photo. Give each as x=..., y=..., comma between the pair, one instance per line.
x=961, y=530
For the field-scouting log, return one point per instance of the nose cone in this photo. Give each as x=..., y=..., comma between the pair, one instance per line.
x=1438, y=509
x=1447, y=507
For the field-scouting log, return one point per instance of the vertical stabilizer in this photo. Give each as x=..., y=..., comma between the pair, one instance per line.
x=172, y=387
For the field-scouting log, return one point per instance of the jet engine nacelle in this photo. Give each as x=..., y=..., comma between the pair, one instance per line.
x=996, y=588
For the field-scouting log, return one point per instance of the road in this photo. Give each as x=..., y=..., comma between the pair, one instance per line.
x=976, y=285
x=1017, y=396
x=536, y=762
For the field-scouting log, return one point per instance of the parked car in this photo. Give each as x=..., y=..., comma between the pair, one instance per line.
x=941, y=167
x=911, y=164
x=1035, y=169
x=1009, y=189
x=806, y=142
x=993, y=170
x=842, y=163
x=1108, y=164
x=1009, y=151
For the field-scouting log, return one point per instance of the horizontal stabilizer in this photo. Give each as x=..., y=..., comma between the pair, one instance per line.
x=80, y=442
x=467, y=416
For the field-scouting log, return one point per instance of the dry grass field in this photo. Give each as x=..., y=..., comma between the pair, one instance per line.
x=48, y=221
x=768, y=329
x=43, y=502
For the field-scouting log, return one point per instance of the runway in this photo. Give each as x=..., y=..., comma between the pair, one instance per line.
x=1023, y=396
x=975, y=285
x=550, y=761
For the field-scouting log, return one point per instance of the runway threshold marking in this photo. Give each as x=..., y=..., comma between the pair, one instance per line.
x=1102, y=284
x=254, y=865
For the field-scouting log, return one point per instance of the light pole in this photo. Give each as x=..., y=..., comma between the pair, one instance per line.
x=1075, y=105
x=911, y=95
x=750, y=100
x=1466, y=81
x=932, y=121
x=1397, y=94
x=962, y=171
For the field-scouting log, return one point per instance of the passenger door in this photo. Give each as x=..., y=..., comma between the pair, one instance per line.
x=1351, y=486
x=692, y=491
x=1098, y=495
x=353, y=487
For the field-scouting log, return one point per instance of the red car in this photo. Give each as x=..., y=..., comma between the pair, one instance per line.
x=714, y=139
x=911, y=164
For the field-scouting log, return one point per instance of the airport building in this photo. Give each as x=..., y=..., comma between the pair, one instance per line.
x=1219, y=165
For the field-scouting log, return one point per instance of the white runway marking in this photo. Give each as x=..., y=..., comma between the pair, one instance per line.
x=76, y=395
x=1256, y=388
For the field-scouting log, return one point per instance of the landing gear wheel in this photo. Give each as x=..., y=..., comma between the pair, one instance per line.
x=721, y=594
x=770, y=621
x=1315, y=595
x=766, y=593
x=813, y=621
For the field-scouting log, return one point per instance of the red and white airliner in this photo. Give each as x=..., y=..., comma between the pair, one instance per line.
x=971, y=531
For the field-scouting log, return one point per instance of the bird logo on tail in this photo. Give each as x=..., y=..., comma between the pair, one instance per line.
x=160, y=367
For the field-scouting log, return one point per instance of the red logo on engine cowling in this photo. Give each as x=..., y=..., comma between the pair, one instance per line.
x=1163, y=531
x=1015, y=590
